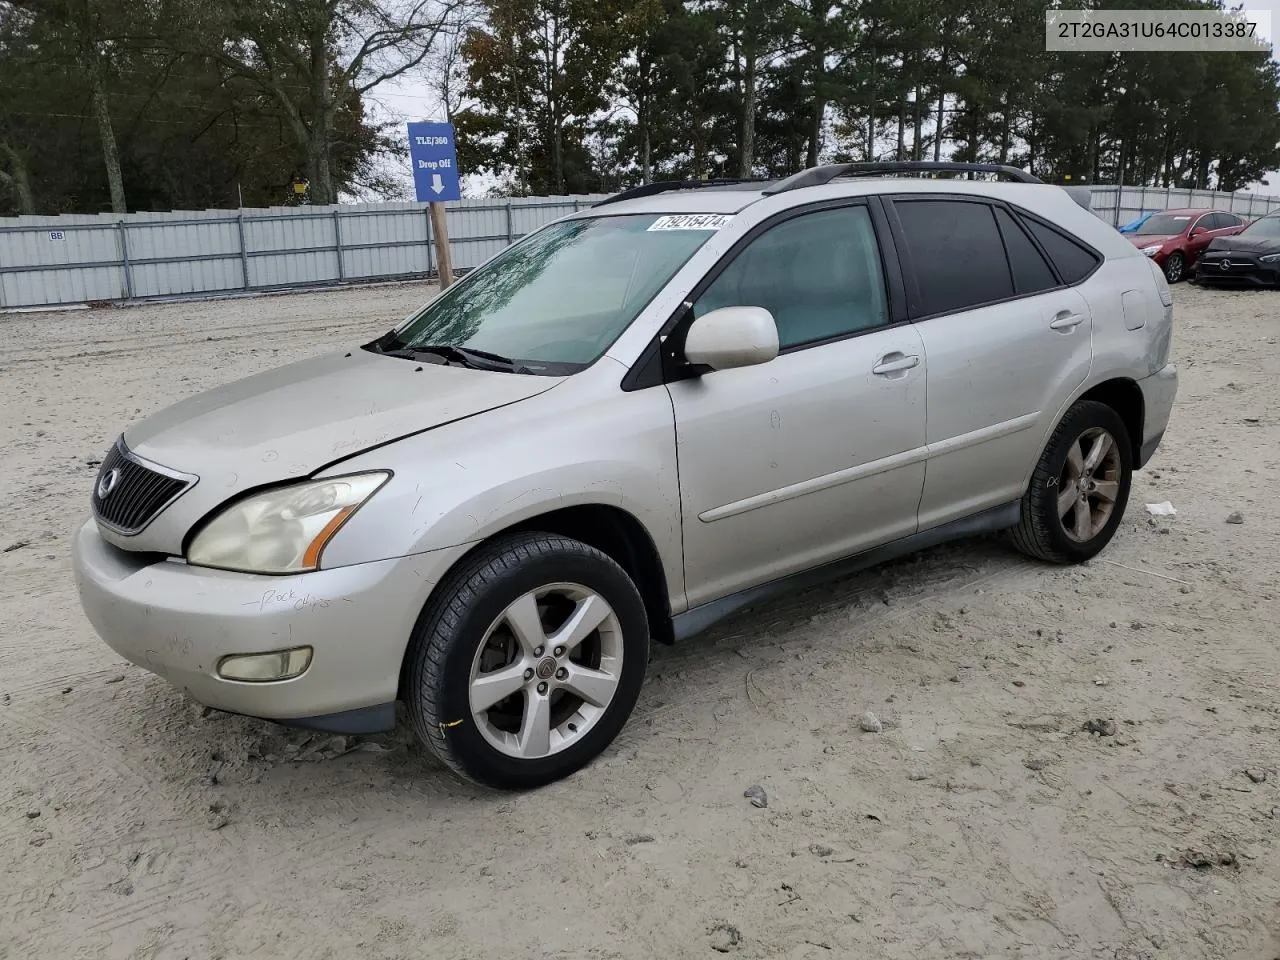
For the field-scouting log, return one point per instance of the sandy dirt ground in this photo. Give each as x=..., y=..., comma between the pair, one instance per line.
x=981, y=822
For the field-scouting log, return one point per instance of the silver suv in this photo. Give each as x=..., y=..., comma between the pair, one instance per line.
x=627, y=425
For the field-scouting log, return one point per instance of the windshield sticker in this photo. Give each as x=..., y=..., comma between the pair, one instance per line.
x=691, y=221
x=1180, y=219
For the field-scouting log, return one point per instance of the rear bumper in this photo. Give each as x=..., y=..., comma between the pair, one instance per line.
x=1158, y=392
x=179, y=621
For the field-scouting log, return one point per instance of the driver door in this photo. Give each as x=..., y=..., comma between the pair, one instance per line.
x=820, y=453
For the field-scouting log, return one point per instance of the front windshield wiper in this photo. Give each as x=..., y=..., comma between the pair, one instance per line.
x=465, y=356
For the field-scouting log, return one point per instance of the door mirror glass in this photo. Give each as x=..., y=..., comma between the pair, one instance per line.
x=732, y=337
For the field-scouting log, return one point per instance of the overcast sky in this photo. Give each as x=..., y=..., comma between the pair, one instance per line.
x=409, y=98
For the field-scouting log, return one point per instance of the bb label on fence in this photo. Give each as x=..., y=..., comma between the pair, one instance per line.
x=435, y=162
x=1154, y=31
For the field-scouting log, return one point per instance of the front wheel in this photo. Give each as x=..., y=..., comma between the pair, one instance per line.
x=527, y=661
x=1174, y=268
x=1080, y=487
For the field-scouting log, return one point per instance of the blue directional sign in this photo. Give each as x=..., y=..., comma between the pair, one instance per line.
x=435, y=161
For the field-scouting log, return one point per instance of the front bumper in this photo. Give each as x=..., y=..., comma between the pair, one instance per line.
x=1158, y=392
x=1242, y=271
x=178, y=621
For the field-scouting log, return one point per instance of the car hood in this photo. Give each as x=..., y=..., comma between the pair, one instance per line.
x=290, y=421
x=1245, y=244
x=1149, y=240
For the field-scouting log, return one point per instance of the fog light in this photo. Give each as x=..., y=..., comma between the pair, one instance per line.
x=265, y=667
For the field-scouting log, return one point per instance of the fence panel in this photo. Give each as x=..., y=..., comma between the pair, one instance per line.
x=45, y=261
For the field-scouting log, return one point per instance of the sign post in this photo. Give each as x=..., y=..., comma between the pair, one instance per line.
x=435, y=180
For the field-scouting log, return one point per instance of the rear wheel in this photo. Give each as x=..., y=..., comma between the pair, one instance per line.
x=1080, y=487
x=527, y=661
x=1174, y=267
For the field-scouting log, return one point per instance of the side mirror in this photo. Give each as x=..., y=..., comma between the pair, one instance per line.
x=732, y=337
x=1198, y=231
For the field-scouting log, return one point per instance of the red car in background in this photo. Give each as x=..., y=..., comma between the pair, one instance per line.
x=1175, y=239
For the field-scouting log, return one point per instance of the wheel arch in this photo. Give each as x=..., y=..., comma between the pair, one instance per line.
x=618, y=534
x=1124, y=396
x=611, y=530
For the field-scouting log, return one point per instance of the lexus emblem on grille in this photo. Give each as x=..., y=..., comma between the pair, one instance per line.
x=1224, y=265
x=107, y=482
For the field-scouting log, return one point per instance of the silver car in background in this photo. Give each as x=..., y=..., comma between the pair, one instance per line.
x=622, y=428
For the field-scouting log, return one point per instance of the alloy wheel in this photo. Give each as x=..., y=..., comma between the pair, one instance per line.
x=546, y=671
x=1089, y=484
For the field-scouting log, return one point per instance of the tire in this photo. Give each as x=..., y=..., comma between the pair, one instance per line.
x=485, y=620
x=1175, y=268
x=1052, y=526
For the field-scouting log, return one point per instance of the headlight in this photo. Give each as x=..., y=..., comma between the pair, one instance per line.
x=283, y=530
x=1152, y=250
x=1270, y=258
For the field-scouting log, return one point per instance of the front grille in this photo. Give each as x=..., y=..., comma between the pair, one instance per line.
x=1236, y=264
x=129, y=492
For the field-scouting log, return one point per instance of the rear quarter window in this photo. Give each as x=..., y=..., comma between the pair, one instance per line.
x=1073, y=260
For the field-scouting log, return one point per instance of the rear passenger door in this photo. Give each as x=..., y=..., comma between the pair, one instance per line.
x=1226, y=224
x=1006, y=337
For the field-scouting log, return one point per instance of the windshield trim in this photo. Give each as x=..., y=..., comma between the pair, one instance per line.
x=557, y=369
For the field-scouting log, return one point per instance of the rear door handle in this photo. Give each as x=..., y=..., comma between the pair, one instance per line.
x=894, y=363
x=1066, y=321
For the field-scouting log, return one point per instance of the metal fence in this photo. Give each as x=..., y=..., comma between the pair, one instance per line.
x=45, y=261
x=1117, y=206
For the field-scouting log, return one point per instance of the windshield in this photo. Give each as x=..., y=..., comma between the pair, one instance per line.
x=1264, y=229
x=1165, y=224
x=555, y=301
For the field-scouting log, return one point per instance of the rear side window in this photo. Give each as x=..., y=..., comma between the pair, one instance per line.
x=1031, y=274
x=1073, y=261
x=1222, y=220
x=956, y=254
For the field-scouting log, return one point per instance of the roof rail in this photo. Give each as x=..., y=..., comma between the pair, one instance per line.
x=817, y=176
x=662, y=186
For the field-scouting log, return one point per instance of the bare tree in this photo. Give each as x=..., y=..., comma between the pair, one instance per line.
x=445, y=68
x=312, y=55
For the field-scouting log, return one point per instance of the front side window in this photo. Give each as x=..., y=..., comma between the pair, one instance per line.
x=819, y=274
x=956, y=253
x=554, y=302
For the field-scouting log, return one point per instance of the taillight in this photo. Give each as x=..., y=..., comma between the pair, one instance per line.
x=1162, y=285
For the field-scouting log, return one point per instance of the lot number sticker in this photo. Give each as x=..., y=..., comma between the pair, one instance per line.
x=691, y=221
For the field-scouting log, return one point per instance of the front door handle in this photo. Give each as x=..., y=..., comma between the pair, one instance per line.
x=1066, y=320
x=894, y=363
